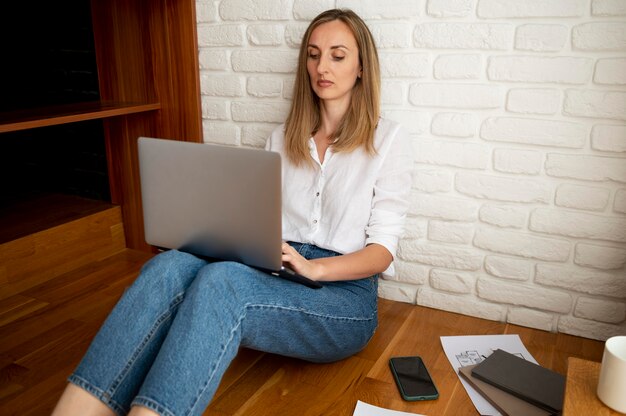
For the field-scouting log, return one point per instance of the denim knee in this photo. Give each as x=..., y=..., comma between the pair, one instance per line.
x=170, y=269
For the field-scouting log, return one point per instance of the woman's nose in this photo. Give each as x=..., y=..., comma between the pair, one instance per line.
x=322, y=65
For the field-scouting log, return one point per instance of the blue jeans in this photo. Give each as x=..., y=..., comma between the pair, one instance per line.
x=173, y=334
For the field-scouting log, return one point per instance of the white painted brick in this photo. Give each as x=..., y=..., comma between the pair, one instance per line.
x=268, y=112
x=534, y=131
x=578, y=225
x=308, y=9
x=599, y=104
x=221, y=133
x=411, y=273
x=581, y=280
x=460, y=304
x=600, y=36
x=414, y=122
x=608, y=8
x=452, y=282
x=415, y=228
x=392, y=93
x=454, y=125
x=450, y=8
x=458, y=67
x=608, y=138
x=391, y=35
x=465, y=96
x=507, y=189
x=288, y=82
x=398, y=292
x=582, y=197
x=443, y=207
x=432, y=181
x=206, y=12
x=540, y=69
x=530, y=318
x=214, y=109
x=487, y=36
x=526, y=162
x=524, y=295
x=375, y=9
x=600, y=310
x=212, y=59
x=508, y=268
x=264, y=86
x=463, y=155
x=405, y=64
x=217, y=85
x=591, y=168
x=255, y=10
x=266, y=35
x=531, y=8
x=294, y=34
x=440, y=255
x=450, y=232
x=600, y=257
x=610, y=71
x=261, y=61
x=620, y=201
x=589, y=329
x=255, y=135
x=541, y=37
x=503, y=216
x=533, y=100
x=522, y=244
x=220, y=35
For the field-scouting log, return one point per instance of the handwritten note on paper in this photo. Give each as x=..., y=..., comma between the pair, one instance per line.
x=364, y=409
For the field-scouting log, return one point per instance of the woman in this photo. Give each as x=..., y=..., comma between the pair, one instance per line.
x=346, y=177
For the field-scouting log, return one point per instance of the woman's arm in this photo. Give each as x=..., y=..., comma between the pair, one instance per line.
x=368, y=261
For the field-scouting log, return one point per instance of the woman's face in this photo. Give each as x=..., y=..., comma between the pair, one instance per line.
x=333, y=61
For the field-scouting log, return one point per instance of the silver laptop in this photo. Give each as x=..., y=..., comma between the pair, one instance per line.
x=216, y=202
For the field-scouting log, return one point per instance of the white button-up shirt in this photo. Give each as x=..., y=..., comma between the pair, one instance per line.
x=351, y=199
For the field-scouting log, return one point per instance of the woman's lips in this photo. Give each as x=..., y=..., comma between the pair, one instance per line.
x=324, y=83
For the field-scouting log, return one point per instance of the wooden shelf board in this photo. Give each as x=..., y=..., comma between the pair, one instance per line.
x=69, y=113
x=39, y=212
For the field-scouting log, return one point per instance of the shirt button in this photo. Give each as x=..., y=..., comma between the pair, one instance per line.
x=314, y=221
x=317, y=194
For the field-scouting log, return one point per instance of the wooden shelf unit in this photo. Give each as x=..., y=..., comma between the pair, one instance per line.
x=147, y=59
x=68, y=113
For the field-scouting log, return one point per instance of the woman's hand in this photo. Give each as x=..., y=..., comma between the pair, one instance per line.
x=368, y=261
x=292, y=259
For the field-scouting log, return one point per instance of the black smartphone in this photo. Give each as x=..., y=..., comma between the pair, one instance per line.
x=413, y=379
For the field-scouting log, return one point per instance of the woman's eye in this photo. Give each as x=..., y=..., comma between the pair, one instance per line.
x=313, y=55
x=338, y=58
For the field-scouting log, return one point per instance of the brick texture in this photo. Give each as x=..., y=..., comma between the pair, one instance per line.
x=518, y=114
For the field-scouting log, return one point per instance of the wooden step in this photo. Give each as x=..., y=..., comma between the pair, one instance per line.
x=76, y=238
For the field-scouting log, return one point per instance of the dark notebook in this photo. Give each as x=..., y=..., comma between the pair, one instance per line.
x=537, y=385
x=506, y=403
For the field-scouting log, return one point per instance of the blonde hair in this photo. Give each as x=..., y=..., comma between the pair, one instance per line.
x=358, y=125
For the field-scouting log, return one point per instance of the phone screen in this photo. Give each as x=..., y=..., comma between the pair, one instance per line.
x=413, y=379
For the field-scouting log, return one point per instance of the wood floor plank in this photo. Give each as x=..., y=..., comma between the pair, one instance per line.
x=18, y=306
x=41, y=346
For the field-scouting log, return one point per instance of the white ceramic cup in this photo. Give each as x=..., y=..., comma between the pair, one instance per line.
x=612, y=383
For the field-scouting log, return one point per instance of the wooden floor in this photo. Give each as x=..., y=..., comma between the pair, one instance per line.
x=45, y=329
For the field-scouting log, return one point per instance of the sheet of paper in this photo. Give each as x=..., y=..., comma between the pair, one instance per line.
x=472, y=349
x=364, y=409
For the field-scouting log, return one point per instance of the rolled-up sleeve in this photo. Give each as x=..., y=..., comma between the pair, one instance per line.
x=390, y=202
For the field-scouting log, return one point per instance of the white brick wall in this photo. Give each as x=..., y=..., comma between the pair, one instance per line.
x=518, y=114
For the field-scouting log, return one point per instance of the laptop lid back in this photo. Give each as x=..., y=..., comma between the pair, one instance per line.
x=214, y=201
